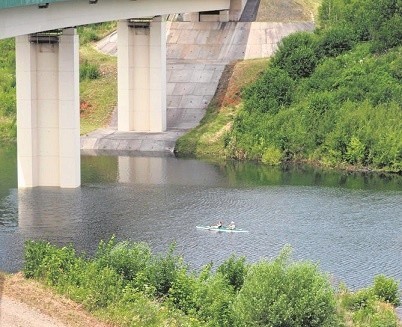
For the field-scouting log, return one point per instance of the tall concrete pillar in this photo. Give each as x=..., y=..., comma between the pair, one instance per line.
x=48, y=127
x=142, y=75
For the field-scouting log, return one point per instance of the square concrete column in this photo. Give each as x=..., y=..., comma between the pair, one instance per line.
x=69, y=109
x=48, y=111
x=142, y=76
x=27, y=137
x=157, y=78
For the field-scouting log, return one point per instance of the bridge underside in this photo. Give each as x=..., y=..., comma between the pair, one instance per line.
x=48, y=123
x=31, y=19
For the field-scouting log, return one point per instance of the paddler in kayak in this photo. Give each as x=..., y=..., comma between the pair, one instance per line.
x=218, y=225
x=232, y=225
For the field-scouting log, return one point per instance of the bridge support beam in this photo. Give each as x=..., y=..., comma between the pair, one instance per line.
x=48, y=126
x=142, y=75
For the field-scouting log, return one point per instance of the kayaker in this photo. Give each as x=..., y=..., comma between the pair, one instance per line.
x=232, y=225
x=219, y=225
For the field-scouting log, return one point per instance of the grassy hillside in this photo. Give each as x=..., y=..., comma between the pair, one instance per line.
x=331, y=97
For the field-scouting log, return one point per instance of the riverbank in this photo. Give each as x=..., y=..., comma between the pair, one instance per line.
x=179, y=296
x=28, y=303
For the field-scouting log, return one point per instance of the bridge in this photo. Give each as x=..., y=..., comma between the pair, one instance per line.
x=47, y=75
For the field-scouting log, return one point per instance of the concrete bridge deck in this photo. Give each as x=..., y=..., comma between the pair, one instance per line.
x=197, y=54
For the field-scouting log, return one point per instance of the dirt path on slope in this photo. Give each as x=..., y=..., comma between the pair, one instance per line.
x=26, y=303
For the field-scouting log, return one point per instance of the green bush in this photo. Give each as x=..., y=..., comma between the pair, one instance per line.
x=42, y=260
x=375, y=315
x=102, y=286
x=161, y=272
x=389, y=35
x=280, y=293
x=297, y=55
x=214, y=298
x=334, y=41
x=127, y=259
x=234, y=270
x=272, y=156
x=387, y=290
x=89, y=71
x=272, y=91
x=359, y=299
x=182, y=292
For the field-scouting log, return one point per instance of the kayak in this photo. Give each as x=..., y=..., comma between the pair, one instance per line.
x=223, y=229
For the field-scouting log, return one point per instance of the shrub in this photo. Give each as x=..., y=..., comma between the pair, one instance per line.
x=375, y=315
x=387, y=290
x=280, y=293
x=272, y=91
x=335, y=41
x=89, y=71
x=7, y=103
x=389, y=35
x=34, y=253
x=358, y=300
x=297, y=55
x=234, y=270
x=102, y=286
x=272, y=156
x=127, y=259
x=54, y=265
x=161, y=272
x=182, y=292
x=214, y=297
x=355, y=151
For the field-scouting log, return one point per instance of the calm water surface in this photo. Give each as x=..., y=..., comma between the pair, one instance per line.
x=350, y=224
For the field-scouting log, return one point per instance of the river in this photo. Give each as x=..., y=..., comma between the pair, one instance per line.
x=350, y=224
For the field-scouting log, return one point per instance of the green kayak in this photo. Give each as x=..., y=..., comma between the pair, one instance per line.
x=223, y=229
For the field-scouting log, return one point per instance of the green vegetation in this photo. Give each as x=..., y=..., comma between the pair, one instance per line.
x=125, y=284
x=98, y=83
x=208, y=139
x=98, y=87
x=331, y=97
x=8, y=128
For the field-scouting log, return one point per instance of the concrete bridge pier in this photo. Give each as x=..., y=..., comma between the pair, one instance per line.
x=142, y=75
x=48, y=123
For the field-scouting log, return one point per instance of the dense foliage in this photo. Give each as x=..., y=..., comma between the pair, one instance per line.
x=127, y=284
x=332, y=96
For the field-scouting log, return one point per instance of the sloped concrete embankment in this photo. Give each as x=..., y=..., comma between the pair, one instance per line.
x=197, y=54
